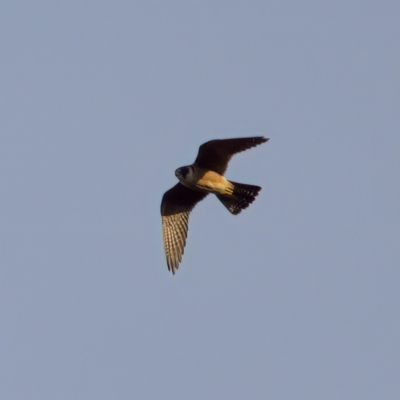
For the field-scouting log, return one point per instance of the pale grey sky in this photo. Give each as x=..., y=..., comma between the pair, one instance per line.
x=295, y=298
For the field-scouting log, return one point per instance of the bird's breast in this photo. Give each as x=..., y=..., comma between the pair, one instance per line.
x=208, y=181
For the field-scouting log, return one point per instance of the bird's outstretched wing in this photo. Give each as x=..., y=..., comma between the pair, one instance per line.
x=176, y=205
x=215, y=154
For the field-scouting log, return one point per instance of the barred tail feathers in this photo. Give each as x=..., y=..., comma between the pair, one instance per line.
x=243, y=195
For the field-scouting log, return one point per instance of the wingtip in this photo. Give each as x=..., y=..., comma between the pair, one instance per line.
x=172, y=268
x=260, y=139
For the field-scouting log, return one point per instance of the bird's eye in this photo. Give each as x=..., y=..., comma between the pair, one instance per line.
x=184, y=171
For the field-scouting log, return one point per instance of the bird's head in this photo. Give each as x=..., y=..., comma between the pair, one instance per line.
x=182, y=172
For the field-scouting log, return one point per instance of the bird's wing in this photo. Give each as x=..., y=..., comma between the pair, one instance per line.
x=215, y=154
x=176, y=205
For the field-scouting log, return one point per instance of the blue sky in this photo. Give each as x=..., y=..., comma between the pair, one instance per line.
x=295, y=298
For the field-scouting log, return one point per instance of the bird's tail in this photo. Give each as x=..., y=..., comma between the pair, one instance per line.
x=243, y=195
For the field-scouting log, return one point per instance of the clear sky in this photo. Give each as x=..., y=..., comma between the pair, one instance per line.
x=295, y=298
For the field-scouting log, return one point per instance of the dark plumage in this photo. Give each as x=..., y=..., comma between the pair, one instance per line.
x=196, y=182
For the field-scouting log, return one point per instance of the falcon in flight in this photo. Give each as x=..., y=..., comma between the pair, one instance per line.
x=196, y=181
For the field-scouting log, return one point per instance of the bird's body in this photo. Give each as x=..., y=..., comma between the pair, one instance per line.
x=198, y=180
x=205, y=181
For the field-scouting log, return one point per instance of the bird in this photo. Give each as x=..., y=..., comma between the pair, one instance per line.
x=205, y=176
